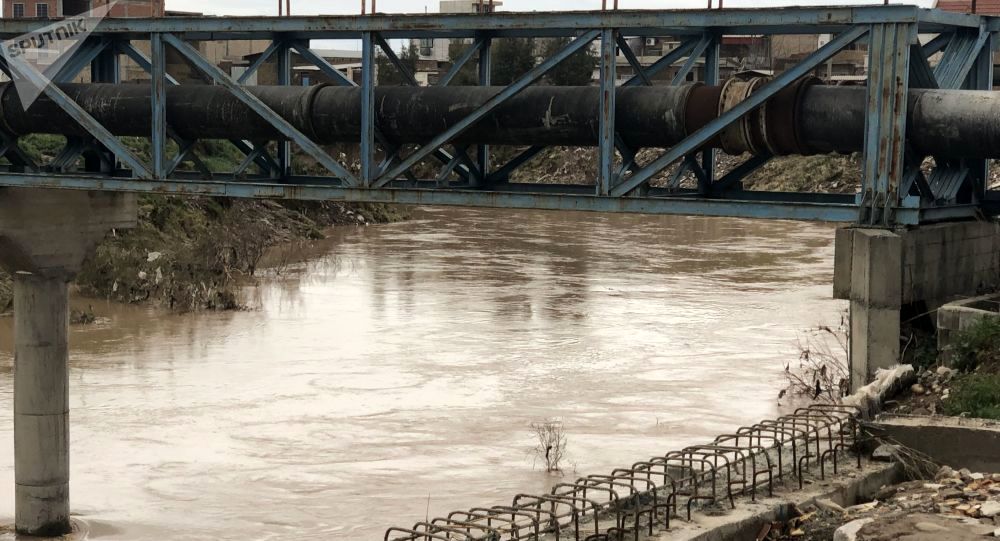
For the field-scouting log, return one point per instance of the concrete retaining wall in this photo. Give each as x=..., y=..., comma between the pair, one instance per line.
x=940, y=262
x=953, y=441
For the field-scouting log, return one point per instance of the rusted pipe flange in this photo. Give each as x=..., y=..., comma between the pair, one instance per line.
x=780, y=125
x=731, y=138
x=751, y=123
x=738, y=137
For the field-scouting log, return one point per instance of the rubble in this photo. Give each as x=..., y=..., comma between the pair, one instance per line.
x=955, y=505
x=928, y=394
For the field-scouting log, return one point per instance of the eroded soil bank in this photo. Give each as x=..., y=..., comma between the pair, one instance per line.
x=192, y=253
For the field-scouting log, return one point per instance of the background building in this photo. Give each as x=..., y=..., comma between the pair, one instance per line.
x=43, y=9
x=436, y=50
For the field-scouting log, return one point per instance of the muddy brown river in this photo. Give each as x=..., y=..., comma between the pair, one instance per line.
x=395, y=371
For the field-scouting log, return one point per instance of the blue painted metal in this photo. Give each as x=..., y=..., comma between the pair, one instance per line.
x=140, y=58
x=70, y=153
x=284, y=56
x=88, y=122
x=800, y=20
x=10, y=149
x=843, y=212
x=897, y=62
x=264, y=57
x=503, y=174
x=606, y=177
x=461, y=61
x=106, y=68
x=981, y=78
x=485, y=79
x=158, y=80
x=395, y=61
x=921, y=73
x=702, y=136
x=733, y=179
x=677, y=177
x=83, y=57
x=699, y=49
x=959, y=57
x=185, y=151
x=712, y=79
x=533, y=75
x=368, y=169
x=885, y=123
x=265, y=161
x=333, y=73
x=260, y=108
x=629, y=55
x=668, y=60
x=936, y=45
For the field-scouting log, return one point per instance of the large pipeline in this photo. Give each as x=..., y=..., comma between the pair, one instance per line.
x=806, y=118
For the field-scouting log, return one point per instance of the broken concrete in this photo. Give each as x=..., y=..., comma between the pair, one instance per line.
x=955, y=441
x=744, y=522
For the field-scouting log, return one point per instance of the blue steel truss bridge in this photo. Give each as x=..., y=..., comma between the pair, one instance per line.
x=894, y=121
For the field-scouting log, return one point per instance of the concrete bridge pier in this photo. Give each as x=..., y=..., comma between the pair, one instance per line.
x=882, y=272
x=44, y=237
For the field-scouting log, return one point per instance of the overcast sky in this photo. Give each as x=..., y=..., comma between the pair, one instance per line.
x=312, y=7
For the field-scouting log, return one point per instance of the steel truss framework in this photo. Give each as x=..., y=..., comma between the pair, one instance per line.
x=894, y=190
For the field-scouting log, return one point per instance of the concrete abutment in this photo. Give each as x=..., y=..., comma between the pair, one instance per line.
x=882, y=271
x=44, y=237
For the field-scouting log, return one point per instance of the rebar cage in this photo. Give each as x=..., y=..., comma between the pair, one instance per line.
x=894, y=189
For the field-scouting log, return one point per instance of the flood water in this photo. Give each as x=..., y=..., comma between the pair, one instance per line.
x=395, y=373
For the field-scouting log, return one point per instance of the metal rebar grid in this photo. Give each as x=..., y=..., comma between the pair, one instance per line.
x=636, y=500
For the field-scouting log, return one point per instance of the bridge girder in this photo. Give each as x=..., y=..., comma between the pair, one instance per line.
x=894, y=191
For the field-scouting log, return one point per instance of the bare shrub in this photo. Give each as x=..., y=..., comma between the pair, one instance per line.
x=822, y=370
x=551, y=446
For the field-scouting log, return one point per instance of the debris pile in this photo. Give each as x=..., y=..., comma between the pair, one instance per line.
x=955, y=505
x=927, y=395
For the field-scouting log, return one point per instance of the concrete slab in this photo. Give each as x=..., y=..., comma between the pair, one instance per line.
x=850, y=487
x=958, y=316
x=953, y=441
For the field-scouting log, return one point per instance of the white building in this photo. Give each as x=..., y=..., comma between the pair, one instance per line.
x=437, y=49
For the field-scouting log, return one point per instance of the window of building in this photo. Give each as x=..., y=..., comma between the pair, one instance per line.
x=42, y=11
x=426, y=46
x=18, y=11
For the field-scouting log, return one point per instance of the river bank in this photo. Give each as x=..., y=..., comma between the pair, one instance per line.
x=194, y=253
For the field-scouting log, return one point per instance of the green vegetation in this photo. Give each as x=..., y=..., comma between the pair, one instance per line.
x=977, y=353
x=388, y=75
x=468, y=75
x=975, y=395
x=512, y=58
x=978, y=346
x=577, y=70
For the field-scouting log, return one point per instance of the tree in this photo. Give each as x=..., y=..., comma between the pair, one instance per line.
x=577, y=70
x=388, y=74
x=512, y=58
x=467, y=76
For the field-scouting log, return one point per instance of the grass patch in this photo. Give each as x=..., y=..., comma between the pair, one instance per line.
x=975, y=395
x=977, y=353
x=978, y=346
